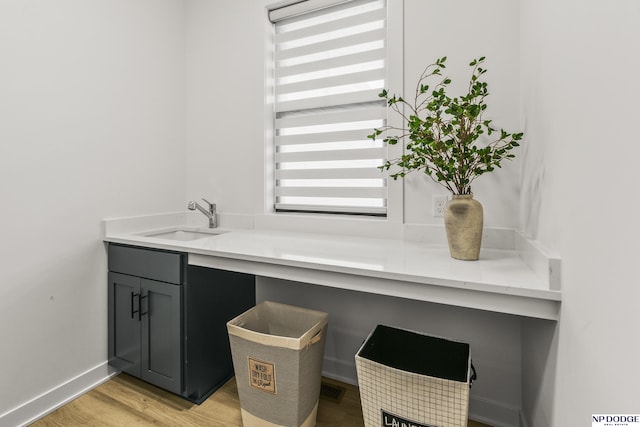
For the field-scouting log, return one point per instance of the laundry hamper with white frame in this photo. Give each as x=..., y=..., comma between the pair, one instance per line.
x=412, y=378
x=277, y=353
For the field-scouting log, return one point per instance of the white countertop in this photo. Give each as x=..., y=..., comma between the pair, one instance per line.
x=500, y=281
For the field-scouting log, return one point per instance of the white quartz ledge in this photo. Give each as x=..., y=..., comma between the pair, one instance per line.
x=501, y=281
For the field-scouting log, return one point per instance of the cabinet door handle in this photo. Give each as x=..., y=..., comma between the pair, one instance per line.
x=140, y=313
x=133, y=312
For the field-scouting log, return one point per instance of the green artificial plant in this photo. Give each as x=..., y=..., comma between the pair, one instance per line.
x=443, y=132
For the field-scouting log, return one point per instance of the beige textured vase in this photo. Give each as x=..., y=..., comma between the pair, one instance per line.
x=463, y=222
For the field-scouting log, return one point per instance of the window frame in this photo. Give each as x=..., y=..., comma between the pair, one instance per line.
x=394, y=83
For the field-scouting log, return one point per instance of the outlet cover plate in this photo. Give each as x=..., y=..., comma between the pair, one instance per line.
x=439, y=202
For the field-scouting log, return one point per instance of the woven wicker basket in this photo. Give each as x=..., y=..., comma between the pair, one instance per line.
x=412, y=378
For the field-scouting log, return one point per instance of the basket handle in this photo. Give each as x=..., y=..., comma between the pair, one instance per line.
x=314, y=339
x=474, y=375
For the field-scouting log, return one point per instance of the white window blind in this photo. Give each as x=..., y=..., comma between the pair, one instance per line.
x=329, y=70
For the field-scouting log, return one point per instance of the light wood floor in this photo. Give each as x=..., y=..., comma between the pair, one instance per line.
x=125, y=401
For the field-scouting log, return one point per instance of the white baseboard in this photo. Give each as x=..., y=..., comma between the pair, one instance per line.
x=493, y=413
x=340, y=370
x=58, y=396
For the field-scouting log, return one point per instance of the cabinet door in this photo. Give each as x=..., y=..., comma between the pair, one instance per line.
x=161, y=334
x=124, y=323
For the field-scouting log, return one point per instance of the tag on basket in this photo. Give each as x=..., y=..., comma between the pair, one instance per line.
x=262, y=375
x=390, y=420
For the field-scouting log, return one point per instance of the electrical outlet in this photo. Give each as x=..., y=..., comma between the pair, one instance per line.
x=439, y=203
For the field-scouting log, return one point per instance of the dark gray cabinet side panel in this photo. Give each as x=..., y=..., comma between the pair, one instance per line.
x=148, y=263
x=212, y=298
x=162, y=335
x=124, y=326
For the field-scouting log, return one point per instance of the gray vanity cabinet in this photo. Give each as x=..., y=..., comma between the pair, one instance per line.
x=145, y=329
x=145, y=316
x=167, y=320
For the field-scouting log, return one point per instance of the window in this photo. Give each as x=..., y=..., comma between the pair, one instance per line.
x=329, y=69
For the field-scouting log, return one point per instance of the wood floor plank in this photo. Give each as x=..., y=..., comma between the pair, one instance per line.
x=94, y=408
x=127, y=401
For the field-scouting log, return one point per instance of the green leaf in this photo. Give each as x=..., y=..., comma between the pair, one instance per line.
x=443, y=132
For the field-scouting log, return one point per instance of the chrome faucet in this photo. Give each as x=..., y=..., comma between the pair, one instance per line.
x=210, y=213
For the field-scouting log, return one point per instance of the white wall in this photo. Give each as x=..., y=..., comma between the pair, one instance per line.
x=436, y=28
x=580, y=62
x=225, y=56
x=91, y=126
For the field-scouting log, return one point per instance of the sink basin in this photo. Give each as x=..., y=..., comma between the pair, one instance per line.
x=183, y=235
